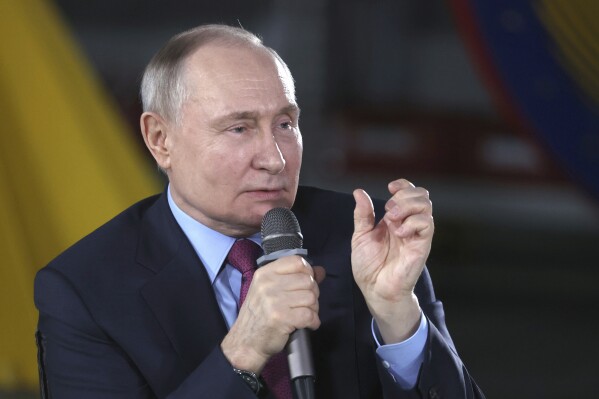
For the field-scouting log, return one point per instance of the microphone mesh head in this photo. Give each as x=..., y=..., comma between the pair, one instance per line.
x=280, y=230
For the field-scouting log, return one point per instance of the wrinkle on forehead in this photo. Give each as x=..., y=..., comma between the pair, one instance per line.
x=207, y=64
x=245, y=83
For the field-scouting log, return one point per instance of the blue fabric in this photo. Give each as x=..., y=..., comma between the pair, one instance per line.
x=403, y=359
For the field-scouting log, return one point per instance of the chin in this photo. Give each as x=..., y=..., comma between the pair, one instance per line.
x=260, y=210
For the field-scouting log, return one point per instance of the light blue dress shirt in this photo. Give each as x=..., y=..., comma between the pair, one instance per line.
x=402, y=360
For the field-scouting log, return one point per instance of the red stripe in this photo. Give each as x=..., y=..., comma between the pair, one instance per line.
x=472, y=35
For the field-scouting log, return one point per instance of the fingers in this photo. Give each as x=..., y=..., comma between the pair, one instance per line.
x=295, y=310
x=282, y=298
x=407, y=200
x=281, y=289
x=289, y=265
x=285, y=282
x=420, y=225
x=399, y=184
x=290, y=282
x=363, y=212
x=302, y=299
x=409, y=211
x=302, y=317
x=404, y=203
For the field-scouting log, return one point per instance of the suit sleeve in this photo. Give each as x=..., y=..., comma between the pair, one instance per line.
x=442, y=374
x=77, y=359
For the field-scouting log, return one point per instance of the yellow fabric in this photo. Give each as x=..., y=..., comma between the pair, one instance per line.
x=67, y=164
x=572, y=25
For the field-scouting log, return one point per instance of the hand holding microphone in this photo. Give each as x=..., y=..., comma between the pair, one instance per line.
x=282, y=298
x=282, y=237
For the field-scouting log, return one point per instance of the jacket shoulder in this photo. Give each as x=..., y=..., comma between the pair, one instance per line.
x=115, y=239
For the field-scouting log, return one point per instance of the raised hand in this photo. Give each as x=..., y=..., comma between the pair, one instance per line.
x=387, y=258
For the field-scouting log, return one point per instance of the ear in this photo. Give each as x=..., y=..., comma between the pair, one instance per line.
x=154, y=131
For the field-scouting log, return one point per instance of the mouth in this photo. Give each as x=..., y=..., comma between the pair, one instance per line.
x=266, y=193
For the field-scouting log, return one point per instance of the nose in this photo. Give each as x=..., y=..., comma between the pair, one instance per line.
x=268, y=155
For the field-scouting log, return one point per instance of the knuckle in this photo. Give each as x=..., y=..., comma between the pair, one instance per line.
x=315, y=322
x=297, y=263
x=312, y=297
x=276, y=316
x=306, y=263
x=422, y=191
x=316, y=290
x=315, y=308
x=309, y=281
x=259, y=275
x=306, y=316
x=389, y=204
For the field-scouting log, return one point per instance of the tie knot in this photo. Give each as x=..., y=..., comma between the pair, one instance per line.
x=243, y=255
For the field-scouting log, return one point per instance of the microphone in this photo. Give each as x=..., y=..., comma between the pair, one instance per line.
x=281, y=236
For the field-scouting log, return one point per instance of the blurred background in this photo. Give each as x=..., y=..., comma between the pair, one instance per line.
x=493, y=106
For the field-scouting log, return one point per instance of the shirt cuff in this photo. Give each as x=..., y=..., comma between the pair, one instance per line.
x=403, y=360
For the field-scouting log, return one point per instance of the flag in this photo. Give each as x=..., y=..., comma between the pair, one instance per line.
x=68, y=163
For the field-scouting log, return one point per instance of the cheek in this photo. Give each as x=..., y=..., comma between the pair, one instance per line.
x=295, y=154
x=224, y=168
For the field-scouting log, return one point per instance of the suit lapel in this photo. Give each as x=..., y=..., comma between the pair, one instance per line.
x=179, y=294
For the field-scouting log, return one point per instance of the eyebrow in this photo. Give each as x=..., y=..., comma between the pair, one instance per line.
x=252, y=115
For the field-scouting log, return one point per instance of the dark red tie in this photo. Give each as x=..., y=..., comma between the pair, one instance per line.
x=242, y=257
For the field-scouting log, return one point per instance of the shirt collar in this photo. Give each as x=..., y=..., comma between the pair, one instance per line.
x=211, y=246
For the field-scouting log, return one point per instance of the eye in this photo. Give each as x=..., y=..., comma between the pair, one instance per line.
x=238, y=129
x=286, y=125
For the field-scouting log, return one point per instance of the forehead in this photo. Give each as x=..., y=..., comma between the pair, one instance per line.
x=239, y=71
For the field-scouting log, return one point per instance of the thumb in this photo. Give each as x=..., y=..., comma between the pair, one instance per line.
x=363, y=213
x=319, y=273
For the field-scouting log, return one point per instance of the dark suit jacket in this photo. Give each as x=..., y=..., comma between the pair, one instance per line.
x=129, y=312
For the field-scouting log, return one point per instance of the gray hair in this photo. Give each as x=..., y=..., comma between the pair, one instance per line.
x=163, y=90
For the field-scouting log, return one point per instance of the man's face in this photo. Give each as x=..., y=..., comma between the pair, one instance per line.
x=236, y=151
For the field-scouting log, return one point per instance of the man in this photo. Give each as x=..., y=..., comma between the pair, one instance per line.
x=149, y=305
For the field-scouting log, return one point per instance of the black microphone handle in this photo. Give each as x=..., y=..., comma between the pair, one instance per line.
x=299, y=355
x=303, y=388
